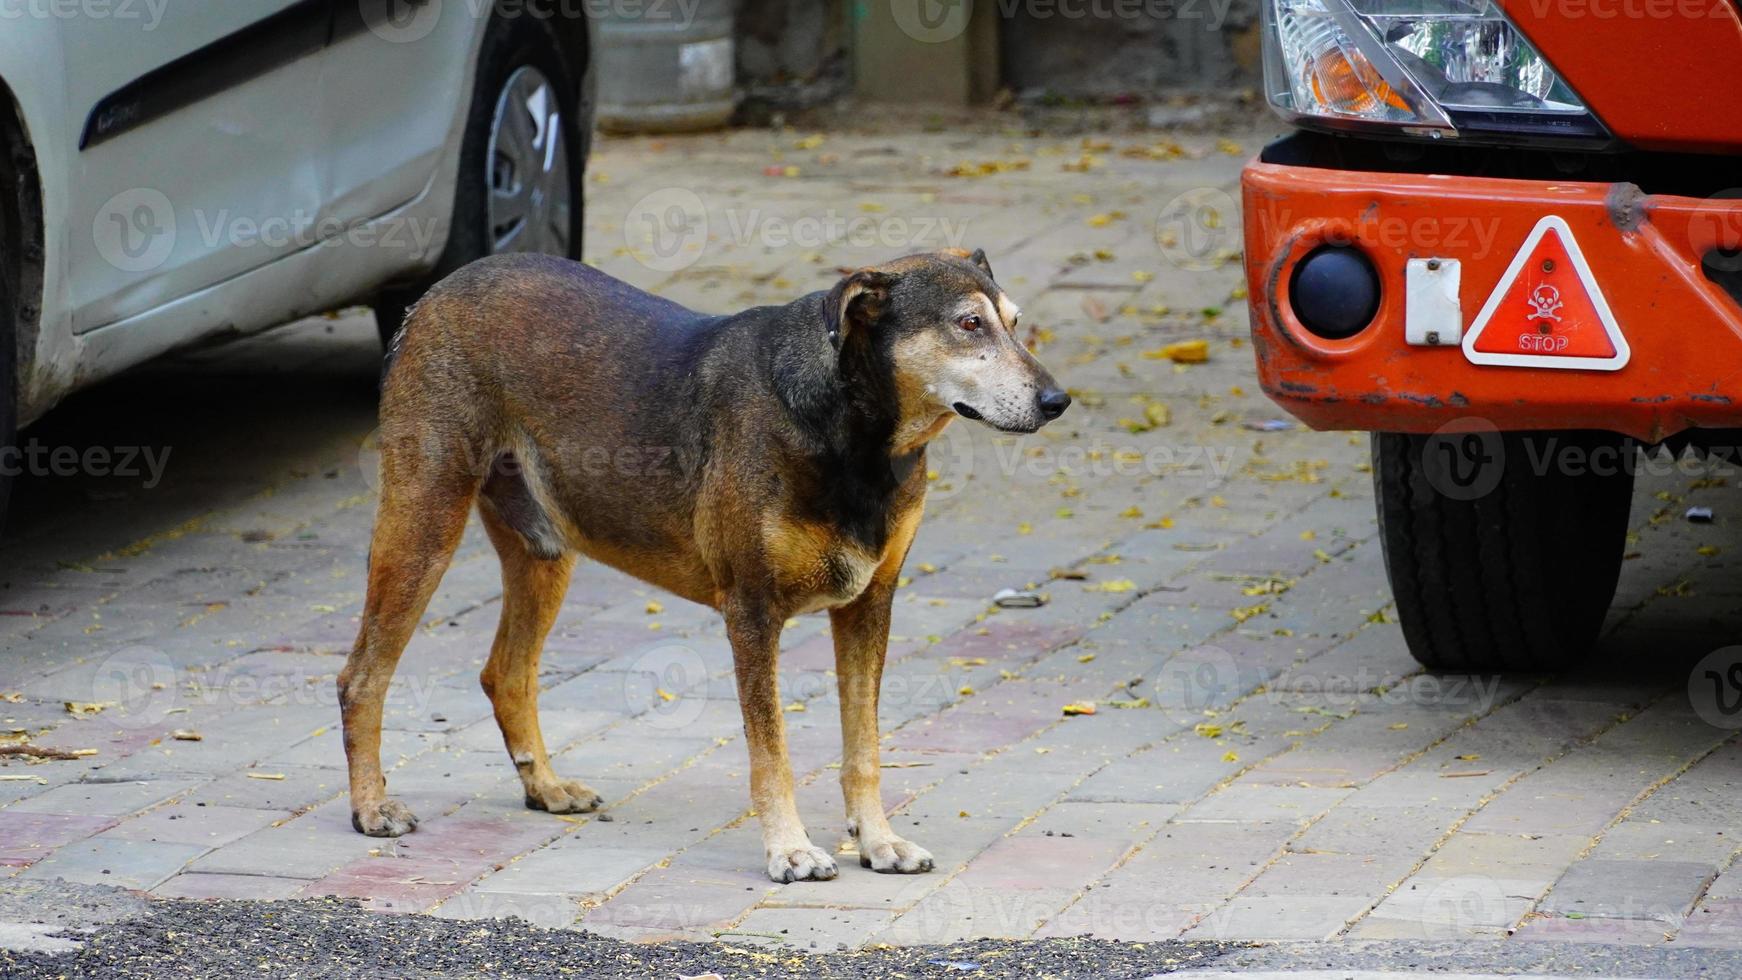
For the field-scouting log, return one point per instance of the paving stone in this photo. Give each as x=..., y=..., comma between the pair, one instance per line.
x=570, y=867
x=677, y=900
x=961, y=911
x=808, y=929
x=189, y=884
x=546, y=911
x=1437, y=904
x=1248, y=801
x=1042, y=863
x=1296, y=917
x=1660, y=890
x=1609, y=932
x=104, y=799
x=1714, y=924
x=27, y=837
x=122, y=863
x=188, y=823
x=301, y=787
x=307, y=847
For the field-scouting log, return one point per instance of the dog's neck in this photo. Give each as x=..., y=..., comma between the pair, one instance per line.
x=844, y=396
x=917, y=429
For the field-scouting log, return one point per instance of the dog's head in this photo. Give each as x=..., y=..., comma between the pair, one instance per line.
x=950, y=335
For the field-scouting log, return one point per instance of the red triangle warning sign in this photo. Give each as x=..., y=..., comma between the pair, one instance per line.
x=1547, y=311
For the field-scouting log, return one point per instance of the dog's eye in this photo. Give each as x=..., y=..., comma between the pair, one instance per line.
x=970, y=322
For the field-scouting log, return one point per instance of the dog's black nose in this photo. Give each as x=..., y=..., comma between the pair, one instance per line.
x=1054, y=402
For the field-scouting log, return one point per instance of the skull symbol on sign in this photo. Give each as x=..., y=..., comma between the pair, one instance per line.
x=1544, y=300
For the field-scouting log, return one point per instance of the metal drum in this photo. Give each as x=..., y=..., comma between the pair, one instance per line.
x=665, y=66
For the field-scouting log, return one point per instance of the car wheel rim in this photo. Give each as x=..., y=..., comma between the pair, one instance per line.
x=528, y=168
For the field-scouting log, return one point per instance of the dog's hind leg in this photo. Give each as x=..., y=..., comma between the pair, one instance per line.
x=421, y=518
x=755, y=651
x=532, y=593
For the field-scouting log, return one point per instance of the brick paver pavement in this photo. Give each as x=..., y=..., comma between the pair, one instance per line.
x=1266, y=762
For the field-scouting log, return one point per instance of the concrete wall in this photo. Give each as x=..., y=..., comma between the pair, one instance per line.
x=1090, y=48
x=891, y=49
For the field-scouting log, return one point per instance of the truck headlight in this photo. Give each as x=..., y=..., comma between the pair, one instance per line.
x=1438, y=68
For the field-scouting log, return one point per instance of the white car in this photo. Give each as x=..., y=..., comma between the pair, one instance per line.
x=173, y=171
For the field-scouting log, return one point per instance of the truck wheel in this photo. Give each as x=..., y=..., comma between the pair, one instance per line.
x=1503, y=549
x=519, y=186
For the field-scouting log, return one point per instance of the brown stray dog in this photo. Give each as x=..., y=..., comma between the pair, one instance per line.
x=780, y=469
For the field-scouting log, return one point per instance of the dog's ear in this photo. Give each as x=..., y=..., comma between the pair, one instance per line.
x=856, y=302
x=977, y=256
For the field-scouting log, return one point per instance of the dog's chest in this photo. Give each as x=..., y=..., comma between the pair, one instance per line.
x=817, y=566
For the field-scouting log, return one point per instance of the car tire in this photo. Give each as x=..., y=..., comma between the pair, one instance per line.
x=1503, y=549
x=9, y=463
x=516, y=50
x=8, y=391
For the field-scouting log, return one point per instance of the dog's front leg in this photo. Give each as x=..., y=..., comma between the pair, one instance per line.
x=755, y=637
x=861, y=631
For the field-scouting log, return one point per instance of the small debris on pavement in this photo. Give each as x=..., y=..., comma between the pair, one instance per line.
x=1267, y=425
x=1018, y=599
x=1699, y=515
x=187, y=735
x=1079, y=708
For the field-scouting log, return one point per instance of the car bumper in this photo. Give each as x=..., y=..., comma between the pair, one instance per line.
x=1644, y=252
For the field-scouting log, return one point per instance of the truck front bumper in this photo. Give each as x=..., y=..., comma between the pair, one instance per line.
x=1645, y=252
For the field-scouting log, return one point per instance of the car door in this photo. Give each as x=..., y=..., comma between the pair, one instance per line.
x=397, y=77
x=200, y=144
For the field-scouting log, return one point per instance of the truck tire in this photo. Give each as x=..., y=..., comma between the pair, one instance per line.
x=1503, y=549
x=515, y=50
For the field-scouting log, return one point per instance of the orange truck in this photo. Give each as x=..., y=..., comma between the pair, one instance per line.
x=1507, y=241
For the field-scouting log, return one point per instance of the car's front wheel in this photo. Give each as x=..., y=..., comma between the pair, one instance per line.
x=519, y=183
x=1503, y=549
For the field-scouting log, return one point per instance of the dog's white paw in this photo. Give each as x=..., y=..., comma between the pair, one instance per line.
x=563, y=796
x=801, y=864
x=389, y=818
x=895, y=857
